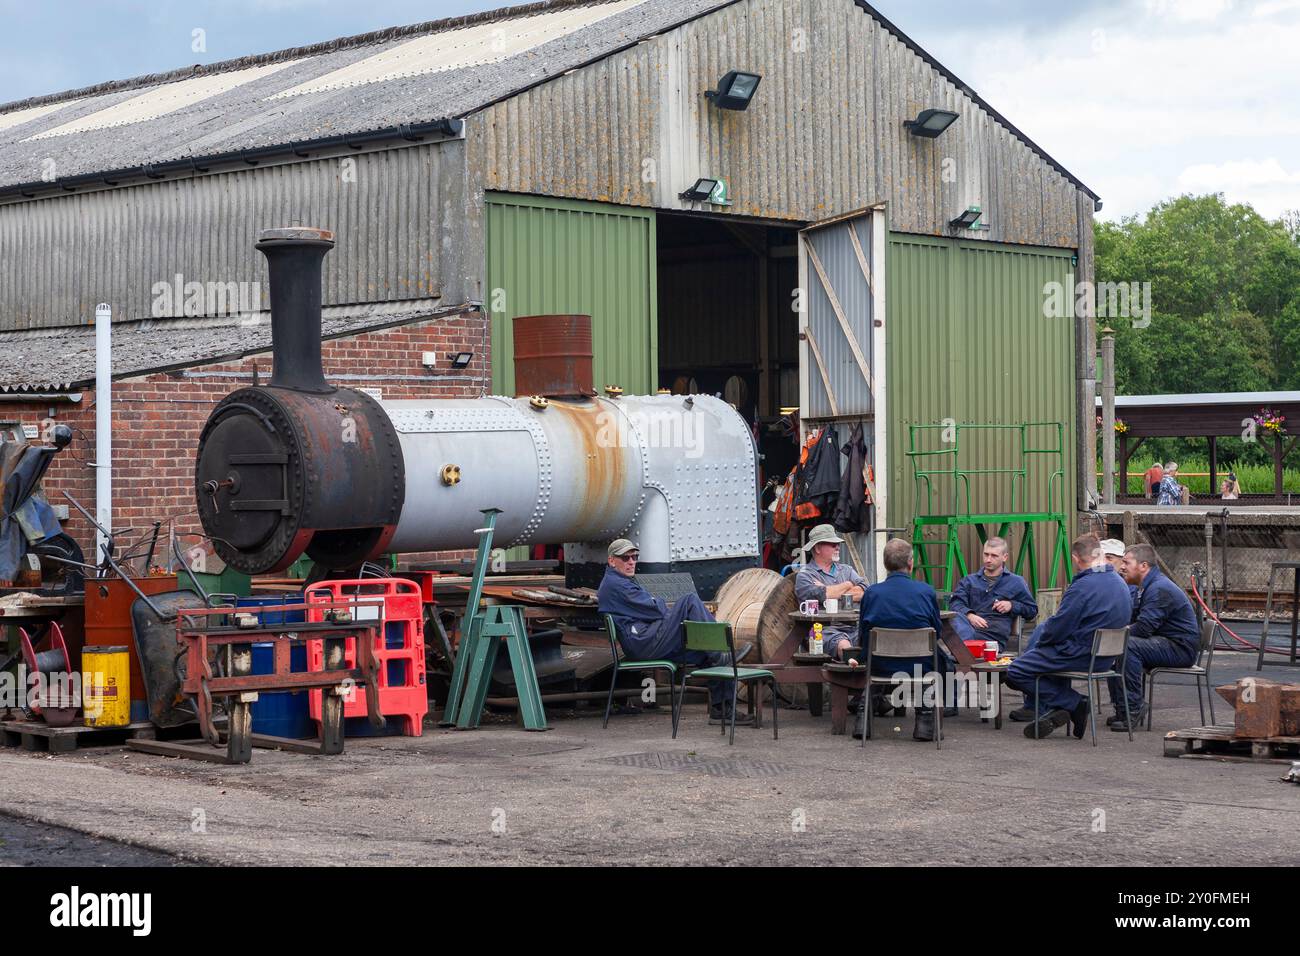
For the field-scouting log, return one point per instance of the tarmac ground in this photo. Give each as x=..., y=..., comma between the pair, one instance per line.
x=630, y=794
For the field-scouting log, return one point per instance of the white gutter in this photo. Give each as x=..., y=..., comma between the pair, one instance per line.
x=103, y=426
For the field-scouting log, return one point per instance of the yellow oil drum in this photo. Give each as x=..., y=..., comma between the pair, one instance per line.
x=106, y=685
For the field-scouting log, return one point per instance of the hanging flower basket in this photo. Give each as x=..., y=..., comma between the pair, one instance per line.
x=1270, y=422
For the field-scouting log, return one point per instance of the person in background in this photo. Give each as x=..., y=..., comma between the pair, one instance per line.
x=1096, y=598
x=650, y=630
x=1112, y=549
x=989, y=600
x=1164, y=631
x=1151, y=480
x=1171, y=492
x=904, y=603
x=1229, y=489
x=824, y=577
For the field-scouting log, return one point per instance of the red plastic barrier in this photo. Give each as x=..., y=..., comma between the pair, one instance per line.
x=399, y=649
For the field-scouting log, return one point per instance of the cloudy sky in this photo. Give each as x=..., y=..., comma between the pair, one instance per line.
x=1141, y=99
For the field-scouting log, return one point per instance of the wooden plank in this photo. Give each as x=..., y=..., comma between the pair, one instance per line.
x=862, y=256
x=839, y=315
x=821, y=369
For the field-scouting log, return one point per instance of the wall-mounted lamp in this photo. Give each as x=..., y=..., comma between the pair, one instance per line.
x=930, y=123
x=735, y=90
x=462, y=359
x=967, y=220
x=700, y=192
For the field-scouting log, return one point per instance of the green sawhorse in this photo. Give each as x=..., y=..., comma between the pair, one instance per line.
x=484, y=629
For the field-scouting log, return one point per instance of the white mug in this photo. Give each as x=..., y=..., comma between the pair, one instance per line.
x=808, y=607
x=832, y=605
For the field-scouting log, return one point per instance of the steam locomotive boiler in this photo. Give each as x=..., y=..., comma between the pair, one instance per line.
x=300, y=466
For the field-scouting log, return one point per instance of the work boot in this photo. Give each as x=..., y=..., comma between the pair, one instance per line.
x=721, y=714
x=1044, y=725
x=1079, y=719
x=860, y=724
x=1117, y=724
x=923, y=729
x=1022, y=715
x=880, y=705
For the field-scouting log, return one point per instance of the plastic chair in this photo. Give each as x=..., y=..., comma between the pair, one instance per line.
x=622, y=666
x=1106, y=642
x=1204, y=653
x=713, y=637
x=894, y=642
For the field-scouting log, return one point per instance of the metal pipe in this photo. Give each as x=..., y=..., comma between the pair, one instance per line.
x=1108, y=415
x=103, y=425
x=1209, y=560
x=568, y=698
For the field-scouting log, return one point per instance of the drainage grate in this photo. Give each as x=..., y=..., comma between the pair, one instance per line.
x=677, y=762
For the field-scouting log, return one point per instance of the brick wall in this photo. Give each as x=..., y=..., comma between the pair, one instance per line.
x=157, y=419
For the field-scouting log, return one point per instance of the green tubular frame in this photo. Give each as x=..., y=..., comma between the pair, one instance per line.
x=953, y=564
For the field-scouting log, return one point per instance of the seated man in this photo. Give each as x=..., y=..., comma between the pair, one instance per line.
x=1112, y=549
x=824, y=577
x=901, y=602
x=1096, y=598
x=1164, y=631
x=650, y=630
x=987, y=601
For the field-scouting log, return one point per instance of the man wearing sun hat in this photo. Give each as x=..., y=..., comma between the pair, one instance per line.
x=651, y=630
x=824, y=577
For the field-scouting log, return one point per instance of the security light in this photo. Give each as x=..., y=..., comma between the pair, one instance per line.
x=734, y=91
x=930, y=123
x=967, y=219
x=462, y=359
x=701, y=191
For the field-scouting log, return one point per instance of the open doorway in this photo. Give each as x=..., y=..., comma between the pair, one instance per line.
x=726, y=322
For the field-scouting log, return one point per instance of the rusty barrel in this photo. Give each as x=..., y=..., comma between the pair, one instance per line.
x=553, y=355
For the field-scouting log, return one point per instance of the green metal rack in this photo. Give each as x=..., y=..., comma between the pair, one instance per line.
x=948, y=453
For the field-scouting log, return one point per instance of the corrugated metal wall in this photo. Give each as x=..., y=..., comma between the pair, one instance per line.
x=834, y=249
x=554, y=256
x=394, y=213
x=968, y=341
x=823, y=137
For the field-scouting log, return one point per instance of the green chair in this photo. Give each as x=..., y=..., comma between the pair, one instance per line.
x=622, y=666
x=715, y=636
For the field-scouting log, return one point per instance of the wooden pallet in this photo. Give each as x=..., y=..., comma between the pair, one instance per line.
x=38, y=736
x=1218, y=743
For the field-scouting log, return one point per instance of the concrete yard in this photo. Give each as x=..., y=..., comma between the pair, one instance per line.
x=631, y=795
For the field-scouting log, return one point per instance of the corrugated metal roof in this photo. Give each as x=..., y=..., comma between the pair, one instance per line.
x=245, y=117
x=1205, y=398
x=162, y=100
x=61, y=359
x=258, y=113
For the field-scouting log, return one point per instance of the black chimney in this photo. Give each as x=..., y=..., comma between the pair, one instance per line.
x=293, y=257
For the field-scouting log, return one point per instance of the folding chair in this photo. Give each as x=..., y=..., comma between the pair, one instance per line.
x=895, y=642
x=715, y=636
x=1204, y=653
x=1106, y=642
x=621, y=666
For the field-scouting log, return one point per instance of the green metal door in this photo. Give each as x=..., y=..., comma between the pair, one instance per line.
x=552, y=256
x=969, y=342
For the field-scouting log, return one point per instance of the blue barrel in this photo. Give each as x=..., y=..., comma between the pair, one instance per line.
x=284, y=713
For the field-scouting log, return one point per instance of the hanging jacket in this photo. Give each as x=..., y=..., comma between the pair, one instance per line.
x=853, y=507
x=819, y=477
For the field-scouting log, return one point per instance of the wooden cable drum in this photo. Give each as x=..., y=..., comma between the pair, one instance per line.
x=756, y=602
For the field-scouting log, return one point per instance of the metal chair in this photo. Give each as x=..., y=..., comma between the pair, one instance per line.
x=713, y=637
x=895, y=642
x=622, y=666
x=1106, y=642
x=1198, y=670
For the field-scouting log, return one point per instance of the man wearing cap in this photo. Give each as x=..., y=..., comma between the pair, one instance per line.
x=1164, y=632
x=824, y=577
x=651, y=630
x=1112, y=549
x=987, y=601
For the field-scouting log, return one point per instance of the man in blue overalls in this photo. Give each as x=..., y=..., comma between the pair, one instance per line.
x=650, y=630
x=989, y=600
x=1164, y=631
x=904, y=603
x=1096, y=598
